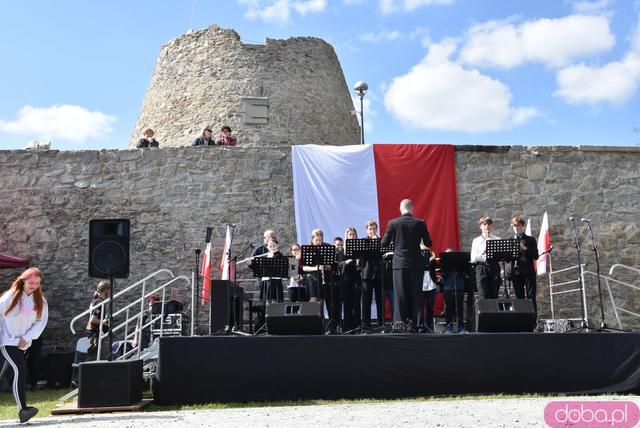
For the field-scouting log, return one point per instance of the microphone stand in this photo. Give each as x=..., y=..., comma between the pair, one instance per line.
x=603, y=323
x=584, y=325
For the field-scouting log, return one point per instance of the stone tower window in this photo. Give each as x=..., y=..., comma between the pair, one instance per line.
x=256, y=110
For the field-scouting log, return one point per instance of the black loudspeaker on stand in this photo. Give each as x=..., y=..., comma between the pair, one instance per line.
x=295, y=318
x=505, y=315
x=109, y=248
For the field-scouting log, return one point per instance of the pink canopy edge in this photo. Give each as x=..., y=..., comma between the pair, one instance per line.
x=10, y=262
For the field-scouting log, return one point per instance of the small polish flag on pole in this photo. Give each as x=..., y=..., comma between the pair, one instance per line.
x=224, y=263
x=544, y=244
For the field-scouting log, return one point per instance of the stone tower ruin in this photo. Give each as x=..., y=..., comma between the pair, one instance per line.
x=284, y=92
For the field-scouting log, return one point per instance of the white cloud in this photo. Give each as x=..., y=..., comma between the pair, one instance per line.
x=554, y=42
x=590, y=7
x=62, y=121
x=279, y=11
x=393, y=6
x=440, y=94
x=380, y=36
x=612, y=83
x=304, y=7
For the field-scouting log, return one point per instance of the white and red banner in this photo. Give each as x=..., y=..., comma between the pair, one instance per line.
x=338, y=187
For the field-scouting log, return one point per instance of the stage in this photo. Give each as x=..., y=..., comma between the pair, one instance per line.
x=268, y=368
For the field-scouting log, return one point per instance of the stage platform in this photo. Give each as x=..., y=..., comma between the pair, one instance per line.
x=267, y=368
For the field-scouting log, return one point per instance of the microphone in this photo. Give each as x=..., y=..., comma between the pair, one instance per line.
x=570, y=218
x=585, y=220
x=208, y=238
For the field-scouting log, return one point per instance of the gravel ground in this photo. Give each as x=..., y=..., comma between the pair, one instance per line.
x=510, y=412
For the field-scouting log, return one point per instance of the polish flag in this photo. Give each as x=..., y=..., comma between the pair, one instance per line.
x=337, y=187
x=543, y=245
x=224, y=262
x=205, y=271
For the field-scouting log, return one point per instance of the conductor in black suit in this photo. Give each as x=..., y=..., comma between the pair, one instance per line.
x=406, y=232
x=523, y=272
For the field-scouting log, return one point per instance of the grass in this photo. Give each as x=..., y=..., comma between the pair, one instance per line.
x=47, y=399
x=44, y=399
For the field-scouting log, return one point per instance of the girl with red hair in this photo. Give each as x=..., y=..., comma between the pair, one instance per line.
x=23, y=316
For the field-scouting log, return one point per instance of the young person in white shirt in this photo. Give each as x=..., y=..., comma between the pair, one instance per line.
x=487, y=274
x=23, y=317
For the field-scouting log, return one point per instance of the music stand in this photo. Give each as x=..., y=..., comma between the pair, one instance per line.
x=319, y=255
x=502, y=251
x=269, y=267
x=455, y=263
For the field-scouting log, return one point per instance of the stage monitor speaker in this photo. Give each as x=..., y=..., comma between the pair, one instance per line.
x=505, y=315
x=109, y=248
x=295, y=318
x=110, y=383
x=221, y=296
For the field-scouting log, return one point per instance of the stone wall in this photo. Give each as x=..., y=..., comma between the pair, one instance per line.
x=171, y=195
x=207, y=78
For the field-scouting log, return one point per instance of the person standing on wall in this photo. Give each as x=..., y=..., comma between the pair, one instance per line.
x=147, y=140
x=23, y=316
x=407, y=232
x=226, y=139
x=205, y=139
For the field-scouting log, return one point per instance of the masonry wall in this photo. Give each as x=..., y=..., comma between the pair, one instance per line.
x=171, y=195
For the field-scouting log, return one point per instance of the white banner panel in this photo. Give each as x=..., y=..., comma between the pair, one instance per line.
x=333, y=188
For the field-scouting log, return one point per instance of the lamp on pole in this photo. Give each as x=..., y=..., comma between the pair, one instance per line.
x=361, y=89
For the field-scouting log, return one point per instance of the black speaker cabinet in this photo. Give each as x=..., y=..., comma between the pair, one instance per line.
x=58, y=367
x=295, y=318
x=505, y=315
x=109, y=248
x=222, y=295
x=110, y=383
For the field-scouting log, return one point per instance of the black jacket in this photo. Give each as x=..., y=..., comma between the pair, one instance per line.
x=143, y=143
x=406, y=232
x=524, y=264
x=200, y=141
x=371, y=267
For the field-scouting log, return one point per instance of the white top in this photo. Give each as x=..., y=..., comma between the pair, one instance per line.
x=21, y=322
x=479, y=248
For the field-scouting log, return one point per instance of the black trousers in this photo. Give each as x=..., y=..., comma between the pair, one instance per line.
x=429, y=302
x=454, y=308
x=488, y=280
x=369, y=286
x=407, y=289
x=525, y=286
x=350, y=289
x=334, y=304
x=297, y=294
x=16, y=360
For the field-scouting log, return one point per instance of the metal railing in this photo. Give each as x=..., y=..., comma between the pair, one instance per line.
x=608, y=279
x=134, y=311
x=579, y=280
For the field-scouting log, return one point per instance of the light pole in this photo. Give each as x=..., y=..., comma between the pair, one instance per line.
x=361, y=88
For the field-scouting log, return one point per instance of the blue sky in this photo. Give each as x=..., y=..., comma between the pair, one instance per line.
x=525, y=72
